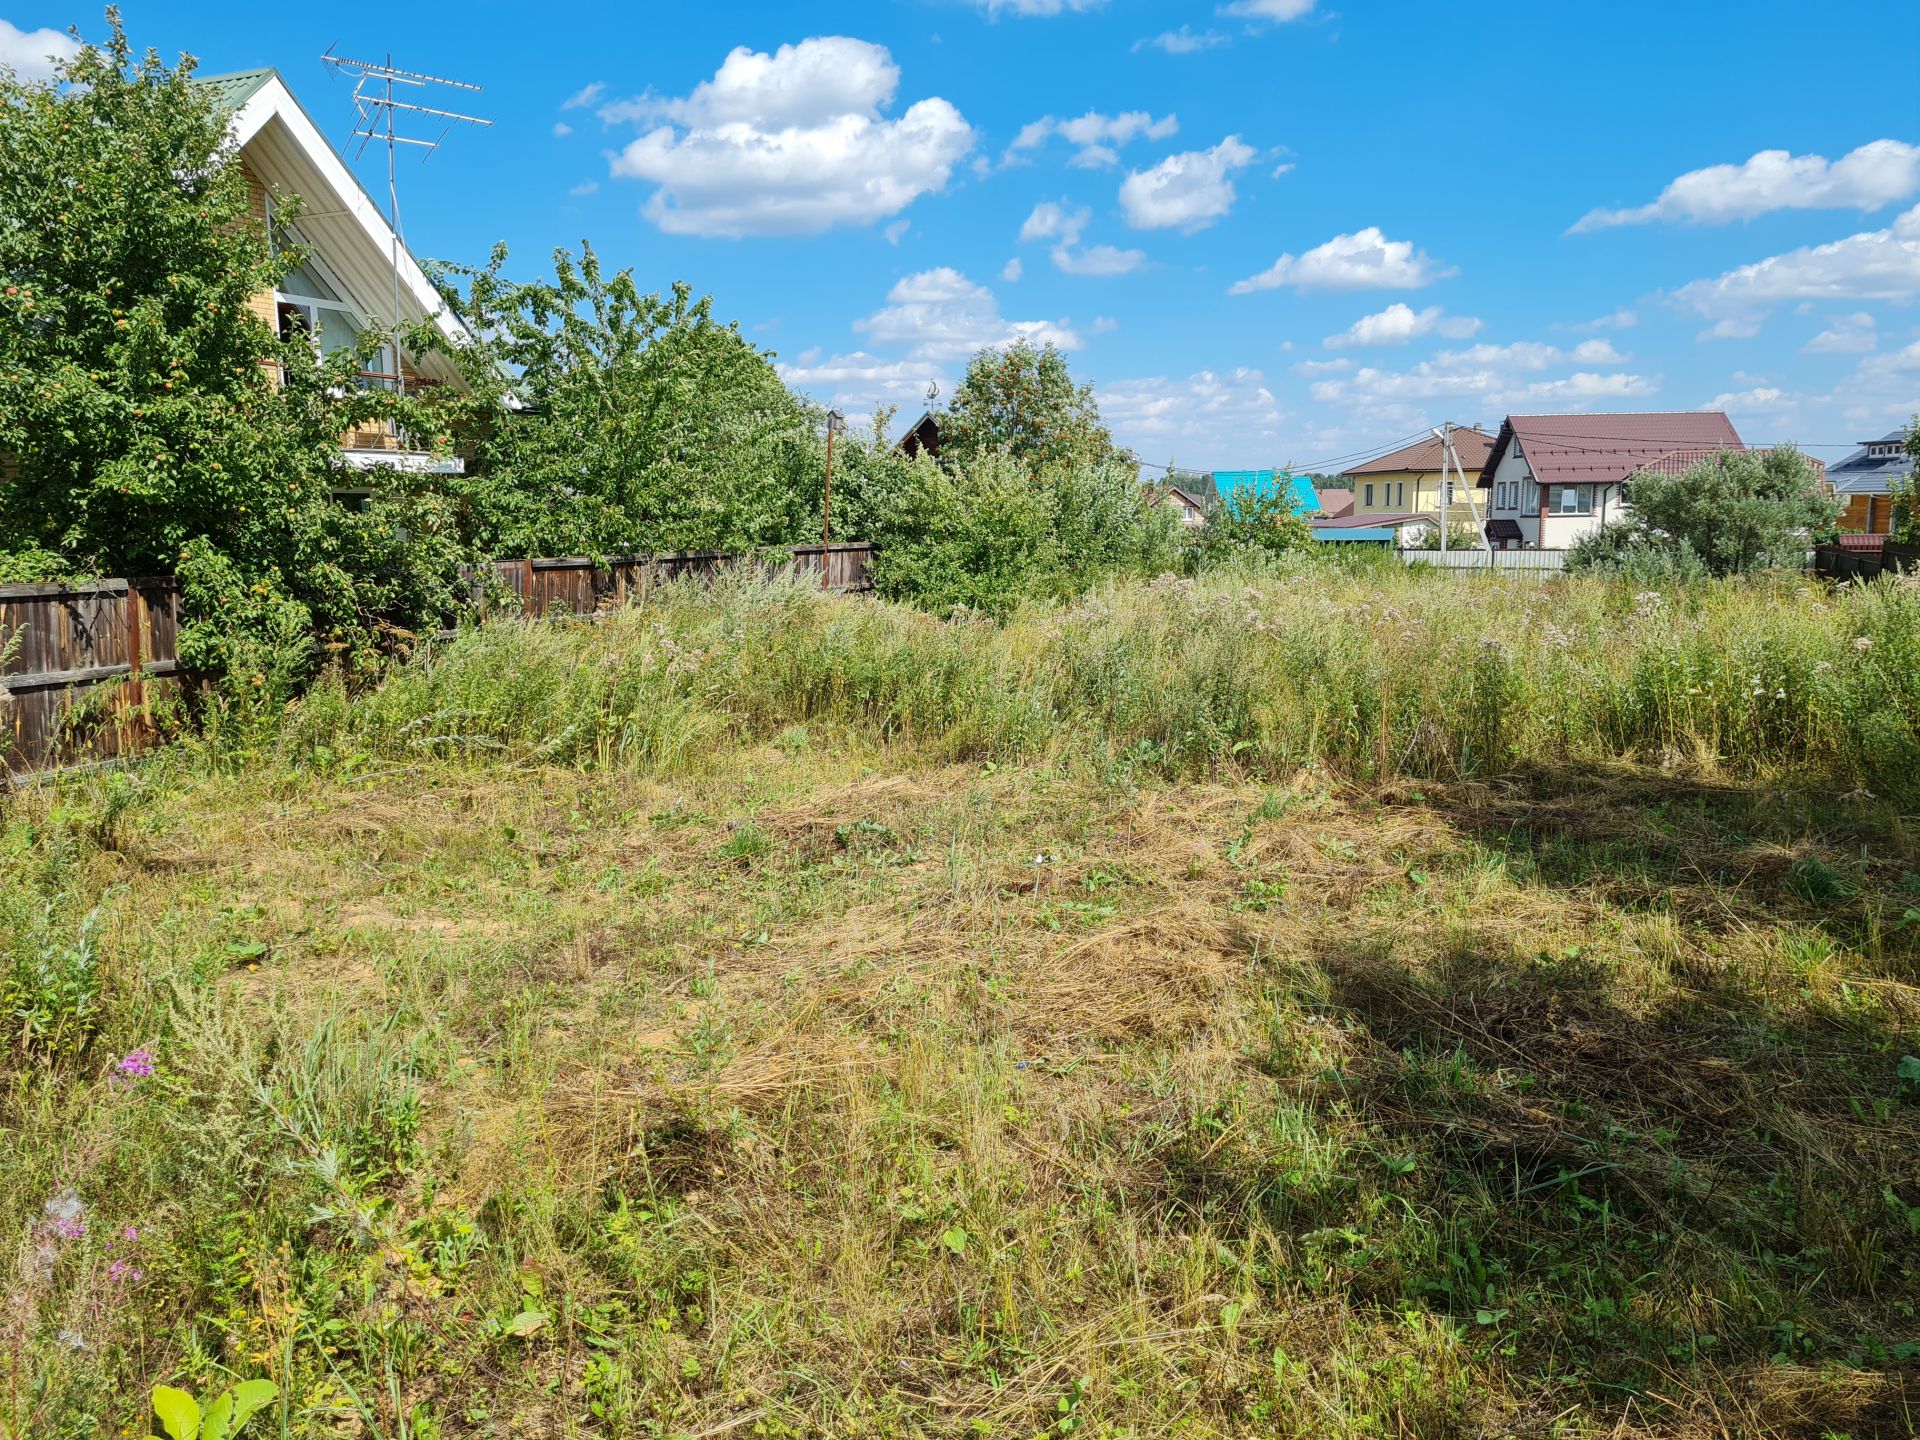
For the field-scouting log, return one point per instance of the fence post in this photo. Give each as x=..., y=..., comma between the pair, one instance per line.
x=136, y=649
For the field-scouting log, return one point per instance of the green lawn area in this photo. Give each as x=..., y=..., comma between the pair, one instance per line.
x=698, y=1043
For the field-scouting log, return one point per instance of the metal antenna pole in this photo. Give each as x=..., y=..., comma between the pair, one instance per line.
x=376, y=117
x=1446, y=480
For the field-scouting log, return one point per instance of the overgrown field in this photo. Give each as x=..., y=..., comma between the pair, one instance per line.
x=1305, y=1004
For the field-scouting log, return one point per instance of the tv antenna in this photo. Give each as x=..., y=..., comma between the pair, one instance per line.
x=933, y=392
x=377, y=117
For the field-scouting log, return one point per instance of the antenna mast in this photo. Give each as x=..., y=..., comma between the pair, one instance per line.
x=376, y=117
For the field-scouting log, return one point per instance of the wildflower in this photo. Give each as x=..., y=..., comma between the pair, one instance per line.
x=130, y=1233
x=1863, y=644
x=65, y=1215
x=125, y=1270
x=137, y=1065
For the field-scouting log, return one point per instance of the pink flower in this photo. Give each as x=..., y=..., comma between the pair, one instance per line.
x=135, y=1066
x=131, y=1233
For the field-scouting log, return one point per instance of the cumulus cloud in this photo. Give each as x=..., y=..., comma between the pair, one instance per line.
x=1853, y=334
x=1186, y=192
x=1055, y=221
x=1103, y=260
x=1490, y=376
x=1365, y=260
x=1183, y=41
x=31, y=54
x=996, y=8
x=860, y=383
x=584, y=96
x=1761, y=399
x=942, y=315
x=1216, y=413
x=1876, y=174
x=1052, y=220
x=1400, y=323
x=1618, y=320
x=1096, y=137
x=561, y=129
x=1274, y=11
x=1013, y=269
x=791, y=143
x=1873, y=265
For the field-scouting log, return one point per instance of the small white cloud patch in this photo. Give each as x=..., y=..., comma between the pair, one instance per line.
x=1364, y=260
x=1189, y=191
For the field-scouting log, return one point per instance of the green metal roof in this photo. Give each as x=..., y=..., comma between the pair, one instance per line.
x=233, y=90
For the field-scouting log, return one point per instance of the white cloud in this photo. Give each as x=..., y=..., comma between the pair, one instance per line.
x=1876, y=174
x=30, y=53
x=584, y=96
x=1055, y=221
x=897, y=231
x=1399, y=323
x=1276, y=11
x=1105, y=324
x=1873, y=265
x=1495, y=377
x=1765, y=399
x=1365, y=260
x=1322, y=367
x=1182, y=41
x=942, y=315
x=561, y=129
x=995, y=8
x=1222, y=415
x=1052, y=220
x=1096, y=137
x=1853, y=334
x=860, y=383
x=1102, y=260
x=1618, y=320
x=584, y=189
x=1013, y=269
x=791, y=143
x=1188, y=191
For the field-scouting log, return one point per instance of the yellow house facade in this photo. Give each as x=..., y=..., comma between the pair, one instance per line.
x=1408, y=481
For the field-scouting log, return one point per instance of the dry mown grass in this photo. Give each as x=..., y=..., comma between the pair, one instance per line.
x=850, y=1091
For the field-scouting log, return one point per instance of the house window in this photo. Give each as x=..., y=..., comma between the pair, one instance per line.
x=1571, y=499
x=1369, y=496
x=1530, y=496
x=1402, y=501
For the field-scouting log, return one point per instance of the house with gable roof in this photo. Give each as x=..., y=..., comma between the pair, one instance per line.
x=356, y=274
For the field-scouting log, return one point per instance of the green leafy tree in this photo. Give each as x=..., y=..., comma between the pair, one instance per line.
x=632, y=421
x=1250, y=521
x=1904, y=494
x=153, y=423
x=1022, y=400
x=1739, y=511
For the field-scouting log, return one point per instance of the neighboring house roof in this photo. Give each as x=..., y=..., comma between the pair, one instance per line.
x=1678, y=462
x=1603, y=449
x=1174, y=492
x=1864, y=473
x=1335, y=503
x=1357, y=522
x=287, y=151
x=1335, y=534
x=1469, y=443
x=1197, y=483
x=923, y=435
x=1502, y=531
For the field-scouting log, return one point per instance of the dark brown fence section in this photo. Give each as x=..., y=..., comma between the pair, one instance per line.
x=1863, y=557
x=576, y=585
x=80, y=667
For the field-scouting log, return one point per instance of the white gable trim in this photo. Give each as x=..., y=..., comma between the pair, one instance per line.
x=273, y=100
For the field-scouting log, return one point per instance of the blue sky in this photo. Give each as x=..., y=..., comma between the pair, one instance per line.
x=1269, y=231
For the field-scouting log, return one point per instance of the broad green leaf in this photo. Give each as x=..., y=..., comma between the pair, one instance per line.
x=217, y=1423
x=955, y=1240
x=178, y=1412
x=526, y=1322
x=249, y=1396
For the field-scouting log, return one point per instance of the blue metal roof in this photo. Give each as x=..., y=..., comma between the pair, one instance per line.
x=1864, y=473
x=1297, y=488
x=1373, y=534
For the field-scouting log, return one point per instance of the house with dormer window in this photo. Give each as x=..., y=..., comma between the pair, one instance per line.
x=1864, y=481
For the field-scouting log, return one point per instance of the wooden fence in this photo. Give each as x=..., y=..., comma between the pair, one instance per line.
x=81, y=665
x=1863, y=557
x=576, y=585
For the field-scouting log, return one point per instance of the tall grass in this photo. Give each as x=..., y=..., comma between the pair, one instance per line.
x=1374, y=675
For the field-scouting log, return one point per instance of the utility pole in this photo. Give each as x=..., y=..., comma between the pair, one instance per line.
x=836, y=422
x=1446, y=479
x=1450, y=456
